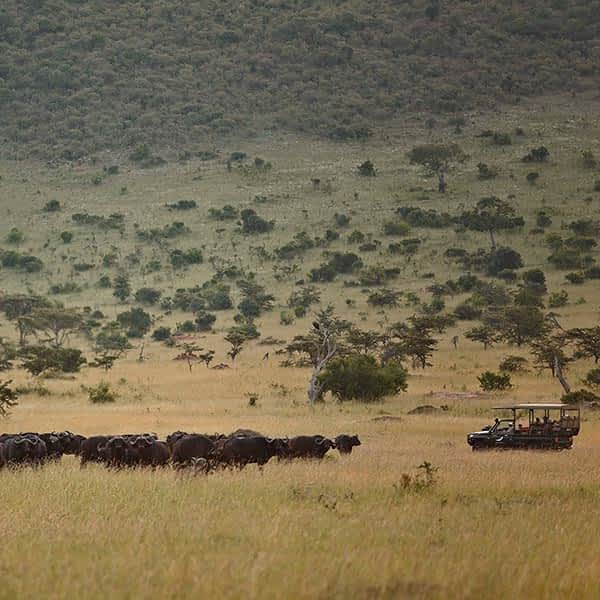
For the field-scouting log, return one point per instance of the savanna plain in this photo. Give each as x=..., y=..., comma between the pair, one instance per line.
x=372, y=524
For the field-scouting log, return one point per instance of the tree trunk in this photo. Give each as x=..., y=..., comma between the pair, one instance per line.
x=560, y=376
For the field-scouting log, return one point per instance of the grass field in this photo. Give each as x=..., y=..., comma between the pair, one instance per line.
x=490, y=525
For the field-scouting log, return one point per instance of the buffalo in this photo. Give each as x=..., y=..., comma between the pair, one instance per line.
x=240, y=451
x=308, y=446
x=192, y=447
x=151, y=453
x=249, y=433
x=26, y=449
x=344, y=443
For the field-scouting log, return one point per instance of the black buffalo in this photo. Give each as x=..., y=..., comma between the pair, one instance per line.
x=344, y=443
x=250, y=433
x=190, y=448
x=26, y=449
x=240, y=451
x=149, y=452
x=308, y=446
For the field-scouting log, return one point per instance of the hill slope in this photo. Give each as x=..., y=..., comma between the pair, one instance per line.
x=81, y=75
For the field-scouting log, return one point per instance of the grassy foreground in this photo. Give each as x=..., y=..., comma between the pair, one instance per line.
x=493, y=524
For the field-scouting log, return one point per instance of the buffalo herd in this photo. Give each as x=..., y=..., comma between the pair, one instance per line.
x=180, y=449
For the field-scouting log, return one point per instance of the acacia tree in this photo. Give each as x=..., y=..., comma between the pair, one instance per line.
x=483, y=334
x=587, y=342
x=18, y=308
x=236, y=339
x=55, y=324
x=189, y=354
x=491, y=214
x=414, y=341
x=437, y=159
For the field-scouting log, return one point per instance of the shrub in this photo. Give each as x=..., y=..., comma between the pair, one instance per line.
x=490, y=381
x=52, y=206
x=501, y=139
x=467, y=312
x=286, y=318
x=360, y=377
x=356, y=237
x=367, y=169
x=597, y=185
x=485, y=172
x=252, y=223
x=182, y=205
x=66, y=237
x=69, y=287
x=419, y=217
x=580, y=397
x=40, y=359
x=566, y=258
x=532, y=177
x=15, y=236
x=227, y=213
x=396, y=228
x=542, y=219
x=102, y=393
x=186, y=327
x=592, y=378
x=104, y=282
x=136, y=322
x=161, y=334
x=384, y=297
x=558, y=299
x=540, y=154
x=181, y=258
x=503, y=258
x=576, y=278
x=592, y=273
x=204, y=320
x=514, y=364
x=82, y=267
x=341, y=220
x=588, y=159
x=148, y=295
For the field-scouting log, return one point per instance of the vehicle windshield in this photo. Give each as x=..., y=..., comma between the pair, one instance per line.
x=502, y=425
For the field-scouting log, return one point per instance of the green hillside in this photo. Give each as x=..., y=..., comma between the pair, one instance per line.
x=77, y=76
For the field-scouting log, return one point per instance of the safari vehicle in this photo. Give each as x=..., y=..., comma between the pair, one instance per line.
x=530, y=426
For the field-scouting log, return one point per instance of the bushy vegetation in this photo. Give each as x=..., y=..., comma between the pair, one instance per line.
x=59, y=56
x=360, y=377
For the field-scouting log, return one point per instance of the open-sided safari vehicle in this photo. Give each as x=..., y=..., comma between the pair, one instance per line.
x=530, y=426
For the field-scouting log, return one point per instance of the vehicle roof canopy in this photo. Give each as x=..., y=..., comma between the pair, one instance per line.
x=536, y=406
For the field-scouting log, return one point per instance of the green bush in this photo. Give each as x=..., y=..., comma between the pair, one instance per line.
x=52, y=206
x=581, y=396
x=102, y=393
x=136, y=322
x=558, y=299
x=40, y=359
x=148, y=296
x=490, y=381
x=15, y=236
x=205, y=320
x=514, y=364
x=397, y=228
x=161, y=334
x=66, y=237
x=360, y=377
x=252, y=223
